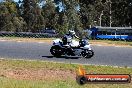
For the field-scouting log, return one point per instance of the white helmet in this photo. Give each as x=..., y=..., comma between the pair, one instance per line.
x=72, y=32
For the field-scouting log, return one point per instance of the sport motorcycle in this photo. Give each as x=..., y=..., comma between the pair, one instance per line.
x=75, y=48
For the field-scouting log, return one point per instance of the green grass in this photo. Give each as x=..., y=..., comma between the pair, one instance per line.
x=12, y=83
x=113, y=42
x=23, y=38
x=6, y=82
x=50, y=39
x=14, y=64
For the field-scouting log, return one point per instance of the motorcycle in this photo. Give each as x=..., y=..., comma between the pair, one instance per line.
x=75, y=48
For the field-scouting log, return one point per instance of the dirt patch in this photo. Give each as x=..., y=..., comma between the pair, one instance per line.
x=41, y=74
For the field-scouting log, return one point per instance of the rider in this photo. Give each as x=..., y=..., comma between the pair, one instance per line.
x=67, y=39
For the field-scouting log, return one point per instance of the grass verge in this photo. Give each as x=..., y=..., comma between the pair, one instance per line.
x=40, y=74
x=49, y=40
x=112, y=42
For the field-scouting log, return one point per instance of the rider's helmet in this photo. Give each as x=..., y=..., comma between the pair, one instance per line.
x=71, y=32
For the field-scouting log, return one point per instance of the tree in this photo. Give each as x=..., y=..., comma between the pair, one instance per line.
x=32, y=15
x=49, y=14
x=90, y=12
x=7, y=13
x=62, y=15
x=72, y=13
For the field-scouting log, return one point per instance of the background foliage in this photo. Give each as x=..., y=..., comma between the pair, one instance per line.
x=61, y=15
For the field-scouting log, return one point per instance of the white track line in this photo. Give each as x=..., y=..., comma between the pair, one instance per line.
x=40, y=42
x=3, y=40
x=19, y=41
x=118, y=46
x=99, y=45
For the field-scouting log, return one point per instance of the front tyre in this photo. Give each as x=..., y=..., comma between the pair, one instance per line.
x=87, y=53
x=56, y=51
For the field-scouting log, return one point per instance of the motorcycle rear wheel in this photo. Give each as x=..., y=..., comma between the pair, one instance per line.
x=56, y=51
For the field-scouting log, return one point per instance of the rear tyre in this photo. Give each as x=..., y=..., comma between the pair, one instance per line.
x=56, y=51
x=87, y=53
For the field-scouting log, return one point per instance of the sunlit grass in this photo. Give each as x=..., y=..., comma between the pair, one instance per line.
x=6, y=82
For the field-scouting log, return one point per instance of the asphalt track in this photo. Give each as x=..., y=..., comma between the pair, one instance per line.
x=104, y=55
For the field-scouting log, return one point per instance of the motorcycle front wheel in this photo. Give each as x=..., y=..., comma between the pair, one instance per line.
x=56, y=51
x=87, y=53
